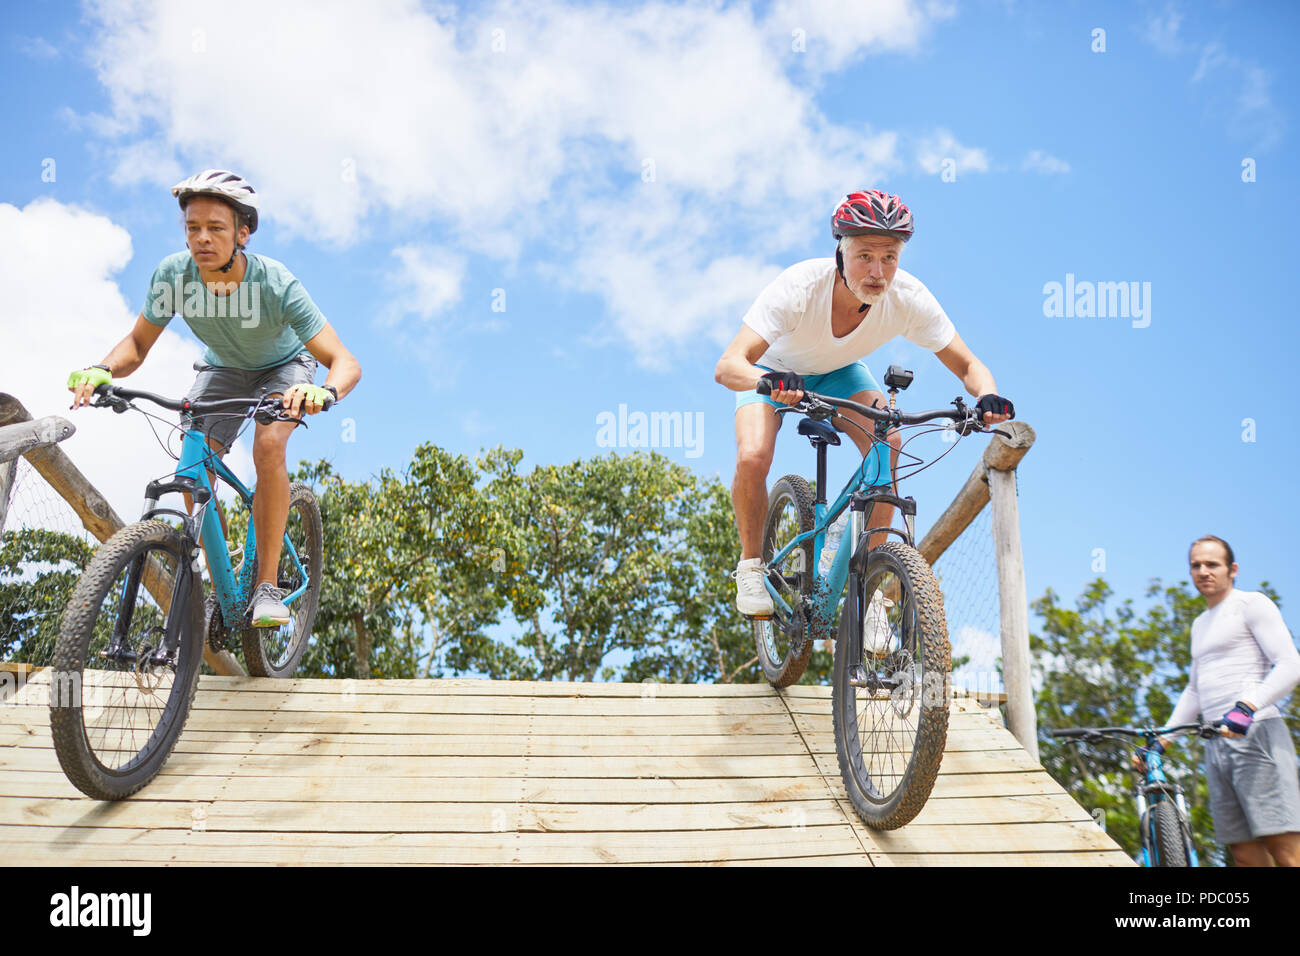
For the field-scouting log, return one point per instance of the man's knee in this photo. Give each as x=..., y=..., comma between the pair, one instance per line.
x=753, y=460
x=269, y=448
x=1284, y=848
x=1251, y=853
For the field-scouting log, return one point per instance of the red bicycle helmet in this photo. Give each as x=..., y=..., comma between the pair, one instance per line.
x=872, y=213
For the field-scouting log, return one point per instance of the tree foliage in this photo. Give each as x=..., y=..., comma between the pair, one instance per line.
x=38, y=570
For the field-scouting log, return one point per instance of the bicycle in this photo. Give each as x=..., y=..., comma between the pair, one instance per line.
x=890, y=706
x=1163, y=824
x=126, y=661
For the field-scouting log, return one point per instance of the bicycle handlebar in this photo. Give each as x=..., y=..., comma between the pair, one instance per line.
x=812, y=402
x=265, y=408
x=1097, y=733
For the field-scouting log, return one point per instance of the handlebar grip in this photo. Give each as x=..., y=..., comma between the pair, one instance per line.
x=764, y=387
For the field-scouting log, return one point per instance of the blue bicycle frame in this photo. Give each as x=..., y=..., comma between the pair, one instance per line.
x=1158, y=784
x=205, y=525
x=864, y=479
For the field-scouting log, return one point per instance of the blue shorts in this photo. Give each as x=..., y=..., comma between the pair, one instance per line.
x=842, y=383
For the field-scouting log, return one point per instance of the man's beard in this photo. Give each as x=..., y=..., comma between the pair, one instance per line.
x=871, y=298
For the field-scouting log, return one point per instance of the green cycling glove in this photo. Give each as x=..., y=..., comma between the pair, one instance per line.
x=315, y=393
x=94, y=375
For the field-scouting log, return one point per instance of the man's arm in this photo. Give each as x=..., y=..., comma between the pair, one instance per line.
x=126, y=356
x=736, y=369
x=974, y=374
x=344, y=369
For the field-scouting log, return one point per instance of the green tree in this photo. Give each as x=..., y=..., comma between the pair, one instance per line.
x=1105, y=664
x=38, y=570
x=614, y=567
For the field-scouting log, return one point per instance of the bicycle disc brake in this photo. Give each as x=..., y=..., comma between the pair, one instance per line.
x=149, y=672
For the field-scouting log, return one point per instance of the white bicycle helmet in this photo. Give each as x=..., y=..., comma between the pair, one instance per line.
x=225, y=185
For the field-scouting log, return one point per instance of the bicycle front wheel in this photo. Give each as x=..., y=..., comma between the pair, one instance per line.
x=119, y=695
x=1167, y=843
x=890, y=704
x=277, y=651
x=783, y=643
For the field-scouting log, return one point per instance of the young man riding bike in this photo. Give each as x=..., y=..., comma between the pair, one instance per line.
x=261, y=329
x=812, y=326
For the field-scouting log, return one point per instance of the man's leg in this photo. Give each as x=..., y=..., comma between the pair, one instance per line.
x=882, y=515
x=1284, y=848
x=1250, y=853
x=756, y=428
x=271, y=498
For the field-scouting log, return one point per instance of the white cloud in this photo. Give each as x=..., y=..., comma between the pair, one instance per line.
x=1240, y=92
x=37, y=48
x=835, y=33
x=1161, y=30
x=64, y=311
x=427, y=282
x=518, y=123
x=940, y=147
x=1040, y=162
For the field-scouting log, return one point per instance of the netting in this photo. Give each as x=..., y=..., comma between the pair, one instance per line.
x=43, y=550
x=967, y=574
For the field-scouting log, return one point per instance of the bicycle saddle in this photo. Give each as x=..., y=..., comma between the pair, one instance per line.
x=818, y=432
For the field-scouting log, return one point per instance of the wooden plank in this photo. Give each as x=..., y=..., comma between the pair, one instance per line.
x=966, y=762
x=451, y=745
x=52, y=783
x=994, y=838
x=453, y=848
x=962, y=811
x=37, y=784
x=300, y=722
x=246, y=816
x=439, y=767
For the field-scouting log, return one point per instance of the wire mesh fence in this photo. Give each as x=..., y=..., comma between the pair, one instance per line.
x=967, y=573
x=43, y=550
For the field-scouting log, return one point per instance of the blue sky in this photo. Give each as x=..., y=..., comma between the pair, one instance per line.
x=631, y=176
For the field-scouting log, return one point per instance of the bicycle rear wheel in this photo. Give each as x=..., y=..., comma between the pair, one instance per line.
x=783, y=643
x=891, y=707
x=118, y=698
x=277, y=651
x=1167, y=846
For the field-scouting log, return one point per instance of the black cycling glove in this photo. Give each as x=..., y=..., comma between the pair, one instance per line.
x=995, y=404
x=780, y=382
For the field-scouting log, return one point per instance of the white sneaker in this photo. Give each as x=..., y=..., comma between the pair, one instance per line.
x=876, y=635
x=752, y=599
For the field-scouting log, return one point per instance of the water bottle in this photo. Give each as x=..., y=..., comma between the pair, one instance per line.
x=833, y=535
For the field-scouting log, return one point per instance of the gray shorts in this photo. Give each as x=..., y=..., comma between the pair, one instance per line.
x=214, y=384
x=1254, y=786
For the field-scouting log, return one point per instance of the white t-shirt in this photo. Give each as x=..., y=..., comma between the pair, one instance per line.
x=1241, y=650
x=793, y=315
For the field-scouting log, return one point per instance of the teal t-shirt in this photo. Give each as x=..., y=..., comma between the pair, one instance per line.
x=265, y=321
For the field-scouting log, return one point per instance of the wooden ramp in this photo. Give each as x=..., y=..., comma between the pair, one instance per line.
x=466, y=772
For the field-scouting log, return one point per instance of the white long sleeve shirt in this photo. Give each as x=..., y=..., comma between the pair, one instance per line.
x=1241, y=650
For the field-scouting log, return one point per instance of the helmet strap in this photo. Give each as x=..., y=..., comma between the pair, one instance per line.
x=231, y=264
x=839, y=266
